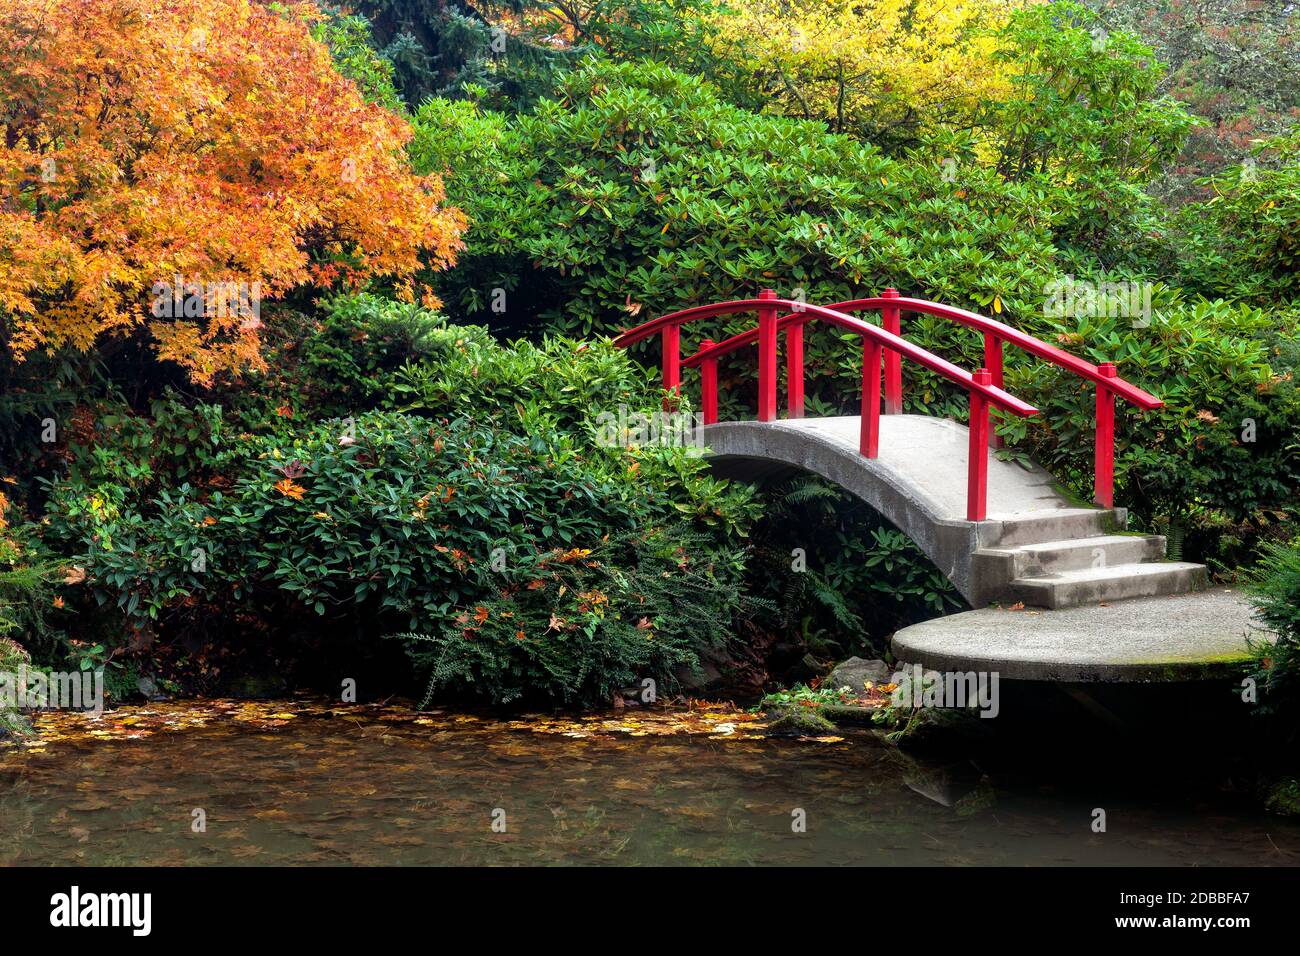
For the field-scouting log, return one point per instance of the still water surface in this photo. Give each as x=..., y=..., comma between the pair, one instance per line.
x=293, y=782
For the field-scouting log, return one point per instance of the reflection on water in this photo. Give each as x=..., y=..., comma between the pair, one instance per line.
x=374, y=786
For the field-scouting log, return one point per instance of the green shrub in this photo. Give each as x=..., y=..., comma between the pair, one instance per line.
x=491, y=507
x=1276, y=595
x=24, y=601
x=11, y=658
x=1228, y=437
x=1084, y=121
x=345, y=358
x=854, y=579
x=355, y=56
x=640, y=191
x=505, y=50
x=1245, y=241
x=28, y=589
x=635, y=606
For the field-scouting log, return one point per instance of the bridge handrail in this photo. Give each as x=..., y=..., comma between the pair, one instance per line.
x=994, y=394
x=876, y=341
x=891, y=305
x=1022, y=340
x=1004, y=332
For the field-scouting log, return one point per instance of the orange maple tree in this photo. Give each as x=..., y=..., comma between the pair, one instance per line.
x=206, y=140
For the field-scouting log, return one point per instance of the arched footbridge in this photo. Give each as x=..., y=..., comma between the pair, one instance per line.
x=1090, y=601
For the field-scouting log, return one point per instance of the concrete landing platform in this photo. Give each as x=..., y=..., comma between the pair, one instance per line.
x=1177, y=638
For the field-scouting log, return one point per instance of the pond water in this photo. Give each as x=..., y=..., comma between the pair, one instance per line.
x=298, y=782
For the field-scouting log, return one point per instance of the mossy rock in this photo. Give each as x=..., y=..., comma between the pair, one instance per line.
x=848, y=714
x=797, y=722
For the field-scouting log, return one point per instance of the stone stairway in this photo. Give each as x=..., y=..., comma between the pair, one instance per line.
x=1071, y=559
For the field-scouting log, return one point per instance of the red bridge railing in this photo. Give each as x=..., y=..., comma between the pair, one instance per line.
x=983, y=387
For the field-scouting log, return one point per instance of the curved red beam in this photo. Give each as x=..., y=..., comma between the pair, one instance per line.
x=1022, y=340
x=886, y=340
x=1059, y=357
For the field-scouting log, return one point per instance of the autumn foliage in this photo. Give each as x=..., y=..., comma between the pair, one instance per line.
x=890, y=70
x=210, y=140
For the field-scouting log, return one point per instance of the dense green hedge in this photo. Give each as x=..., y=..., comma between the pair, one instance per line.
x=1228, y=436
x=519, y=553
x=1245, y=242
x=641, y=191
x=1276, y=589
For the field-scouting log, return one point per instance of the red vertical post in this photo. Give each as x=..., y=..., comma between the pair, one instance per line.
x=672, y=358
x=869, y=443
x=977, y=469
x=889, y=318
x=993, y=362
x=767, y=359
x=709, y=384
x=1103, y=482
x=794, y=369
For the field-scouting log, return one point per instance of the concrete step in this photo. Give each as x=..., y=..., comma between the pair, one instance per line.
x=1114, y=583
x=1097, y=551
x=1060, y=524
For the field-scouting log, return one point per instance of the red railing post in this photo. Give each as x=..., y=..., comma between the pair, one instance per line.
x=977, y=471
x=767, y=359
x=709, y=385
x=889, y=318
x=993, y=362
x=672, y=359
x=869, y=443
x=794, y=369
x=1103, y=482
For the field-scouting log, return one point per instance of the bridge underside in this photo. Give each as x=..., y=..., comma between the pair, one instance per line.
x=1090, y=604
x=918, y=483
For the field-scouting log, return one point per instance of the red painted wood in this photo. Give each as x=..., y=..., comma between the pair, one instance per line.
x=767, y=356
x=1027, y=343
x=709, y=385
x=882, y=342
x=1071, y=363
x=892, y=322
x=794, y=369
x=672, y=357
x=1103, y=481
x=869, y=442
x=993, y=362
x=977, y=471
x=909, y=351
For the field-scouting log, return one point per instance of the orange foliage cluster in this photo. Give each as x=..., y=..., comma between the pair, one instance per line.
x=206, y=139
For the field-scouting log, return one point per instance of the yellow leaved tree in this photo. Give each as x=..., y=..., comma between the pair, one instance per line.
x=889, y=71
